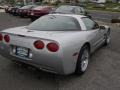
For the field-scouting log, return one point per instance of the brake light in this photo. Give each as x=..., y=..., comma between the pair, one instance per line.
x=1, y=37
x=53, y=47
x=39, y=44
x=7, y=38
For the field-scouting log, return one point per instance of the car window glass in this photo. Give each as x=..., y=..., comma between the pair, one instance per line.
x=26, y=7
x=90, y=24
x=55, y=23
x=78, y=10
x=39, y=7
x=82, y=10
x=65, y=9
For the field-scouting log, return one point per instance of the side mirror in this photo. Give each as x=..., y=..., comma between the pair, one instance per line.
x=102, y=27
x=89, y=16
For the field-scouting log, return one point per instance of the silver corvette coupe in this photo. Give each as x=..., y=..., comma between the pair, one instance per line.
x=58, y=43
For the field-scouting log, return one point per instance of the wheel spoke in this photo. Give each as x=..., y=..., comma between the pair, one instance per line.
x=85, y=59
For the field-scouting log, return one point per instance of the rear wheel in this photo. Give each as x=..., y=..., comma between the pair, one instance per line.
x=22, y=16
x=83, y=60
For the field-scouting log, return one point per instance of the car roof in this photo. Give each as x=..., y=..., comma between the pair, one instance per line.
x=41, y=7
x=27, y=6
x=70, y=15
x=69, y=6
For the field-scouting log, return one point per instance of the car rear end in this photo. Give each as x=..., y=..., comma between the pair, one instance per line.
x=15, y=10
x=23, y=12
x=43, y=53
x=39, y=11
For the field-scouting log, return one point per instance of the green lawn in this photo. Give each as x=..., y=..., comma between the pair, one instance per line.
x=108, y=7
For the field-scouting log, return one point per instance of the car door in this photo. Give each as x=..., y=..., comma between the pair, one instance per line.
x=96, y=35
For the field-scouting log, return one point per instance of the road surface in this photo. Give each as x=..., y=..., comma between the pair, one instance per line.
x=103, y=72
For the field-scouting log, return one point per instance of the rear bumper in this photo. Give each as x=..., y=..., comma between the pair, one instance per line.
x=47, y=62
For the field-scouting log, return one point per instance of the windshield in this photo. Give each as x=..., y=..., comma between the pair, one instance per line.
x=39, y=7
x=65, y=9
x=55, y=23
x=26, y=7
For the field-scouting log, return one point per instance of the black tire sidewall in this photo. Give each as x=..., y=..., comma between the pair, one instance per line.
x=79, y=61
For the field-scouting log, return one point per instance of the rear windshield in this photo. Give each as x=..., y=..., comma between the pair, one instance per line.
x=26, y=7
x=55, y=23
x=65, y=9
x=39, y=7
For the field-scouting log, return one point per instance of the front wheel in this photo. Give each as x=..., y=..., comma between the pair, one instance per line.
x=83, y=60
x=107, y=38
x=32, y=19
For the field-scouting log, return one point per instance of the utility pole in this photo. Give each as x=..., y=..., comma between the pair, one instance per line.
x=25, y=2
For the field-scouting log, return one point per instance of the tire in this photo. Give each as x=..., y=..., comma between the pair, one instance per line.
x=22, y=16
x=107, y=38
x=83, y=60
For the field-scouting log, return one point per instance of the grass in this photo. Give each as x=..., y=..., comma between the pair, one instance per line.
x=108, y=7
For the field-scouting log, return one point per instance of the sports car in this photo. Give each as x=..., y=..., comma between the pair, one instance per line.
x=57, y=43
x=72, y=9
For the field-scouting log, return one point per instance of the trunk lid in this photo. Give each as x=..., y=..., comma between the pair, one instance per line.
x=24, y=32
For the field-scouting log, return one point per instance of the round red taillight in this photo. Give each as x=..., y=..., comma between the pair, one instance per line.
x=7, y=38
x=53, y=47
x=1, y=37
x=39, y=44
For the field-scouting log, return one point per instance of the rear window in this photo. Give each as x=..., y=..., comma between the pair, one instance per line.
x=26, y=7
x=39, y=7
x=65, y=9
x=55, y=23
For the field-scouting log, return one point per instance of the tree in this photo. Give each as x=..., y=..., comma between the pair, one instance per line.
x=10, y=1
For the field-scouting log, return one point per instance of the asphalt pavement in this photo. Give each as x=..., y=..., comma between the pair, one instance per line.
x=103, y=72
x=104, y=16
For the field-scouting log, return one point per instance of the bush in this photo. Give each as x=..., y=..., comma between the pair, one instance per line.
x=45, y=2
x=57, y=2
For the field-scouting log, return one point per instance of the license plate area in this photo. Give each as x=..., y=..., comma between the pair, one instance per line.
x=22, y=52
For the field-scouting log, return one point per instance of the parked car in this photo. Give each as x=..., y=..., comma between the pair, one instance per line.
x=69, y=9
x=117, y=8
x=58, y=43
x=39, y=11
x=15, y=10
x=8, y=9
x=102, y=6
x=23, y=11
